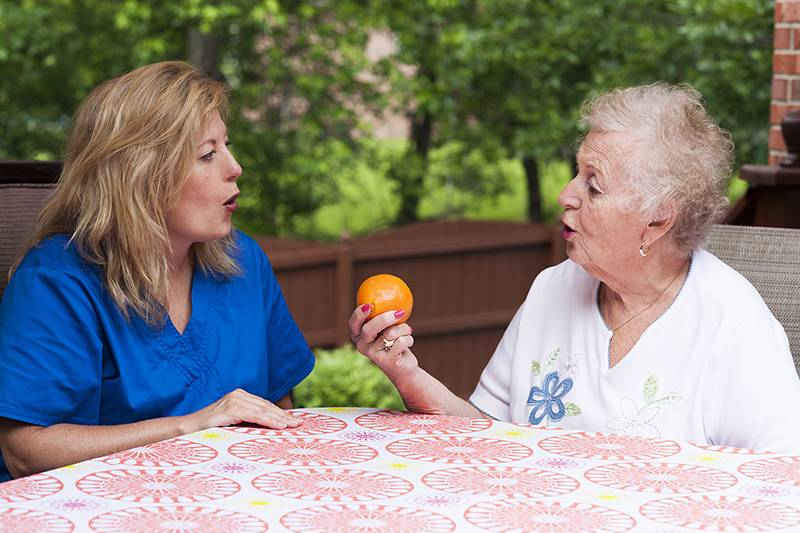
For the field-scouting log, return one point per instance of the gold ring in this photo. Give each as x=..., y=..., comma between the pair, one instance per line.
x=387, y=345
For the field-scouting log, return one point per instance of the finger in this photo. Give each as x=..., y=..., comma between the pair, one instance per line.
x=365, y=334
x=358, y=318
x=274, y=417
x=398, y=330
x=241, y=406
x=393, y=346
x=409, y=341
x=372, y=328
x=270, y=416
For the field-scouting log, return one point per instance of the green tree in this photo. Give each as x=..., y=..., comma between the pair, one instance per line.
x=531, y=64
x=492, y=79
x=53, y=52
x=303, y=78
x=298, y=70
x=514, y=74
x=429, y=35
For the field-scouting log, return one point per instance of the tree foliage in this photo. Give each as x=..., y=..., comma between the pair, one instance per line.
x=514, y=74
x=297, y=69
x=482, y=80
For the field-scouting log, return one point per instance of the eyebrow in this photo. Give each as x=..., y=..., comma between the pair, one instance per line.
x=212, y=140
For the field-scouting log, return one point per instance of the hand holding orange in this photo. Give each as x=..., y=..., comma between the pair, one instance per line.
x=385, y=292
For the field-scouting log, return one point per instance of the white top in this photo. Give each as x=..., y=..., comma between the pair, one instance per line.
x=715, y=368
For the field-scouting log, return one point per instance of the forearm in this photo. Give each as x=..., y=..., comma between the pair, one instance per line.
x=29, y=449
x=423, y=393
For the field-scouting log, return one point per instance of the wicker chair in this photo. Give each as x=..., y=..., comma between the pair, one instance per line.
x=25, y=186
x=770, y=259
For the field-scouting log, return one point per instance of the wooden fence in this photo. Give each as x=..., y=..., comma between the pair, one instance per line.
x=468, y=279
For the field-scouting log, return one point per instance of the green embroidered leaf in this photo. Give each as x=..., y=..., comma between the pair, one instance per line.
x=670, y=397
x=650, y=389
x=536, y=369
x=572, y=409
x=551, y=358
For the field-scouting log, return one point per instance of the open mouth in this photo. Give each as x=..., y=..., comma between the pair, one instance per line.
x=567, y=231
x=232, y=204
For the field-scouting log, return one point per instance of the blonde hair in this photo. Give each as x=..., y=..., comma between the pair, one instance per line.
x=677, y=152
x=131, y=147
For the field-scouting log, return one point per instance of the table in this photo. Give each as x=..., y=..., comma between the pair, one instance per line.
x=355, y=470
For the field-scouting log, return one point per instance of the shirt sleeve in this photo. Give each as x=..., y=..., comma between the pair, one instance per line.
x=492, y=395
x=50, y=349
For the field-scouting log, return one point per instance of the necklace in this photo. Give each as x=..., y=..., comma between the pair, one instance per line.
x=651, y=304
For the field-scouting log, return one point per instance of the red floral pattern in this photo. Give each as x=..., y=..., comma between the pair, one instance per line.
x=536, y=516
x=459, y=450
x=609, y=447
x=173, y=452
x=782, y=470
x=723, y=513
x=675, y=478
x=501, y=481
x=332, y=484
x=157, y=486
x=28, y=521
x=178, y=519
x=302, y=452
x=29, y=488
x=409, y=423
x=366, y=519
x=357, y=470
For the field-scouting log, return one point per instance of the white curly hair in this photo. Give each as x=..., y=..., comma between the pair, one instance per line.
x=677, y=152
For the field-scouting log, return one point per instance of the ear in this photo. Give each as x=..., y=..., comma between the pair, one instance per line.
x=665, y=219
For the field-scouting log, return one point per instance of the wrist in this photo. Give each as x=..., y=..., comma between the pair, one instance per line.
x=187, y=424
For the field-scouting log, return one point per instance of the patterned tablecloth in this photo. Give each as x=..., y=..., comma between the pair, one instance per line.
x=354, y=470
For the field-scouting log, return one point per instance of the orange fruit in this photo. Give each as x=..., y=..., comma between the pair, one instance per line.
x=385, y=292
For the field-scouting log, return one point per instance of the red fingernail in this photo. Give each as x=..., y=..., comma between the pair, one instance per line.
x=399, y=313
x=412, y=329
x=366, y=307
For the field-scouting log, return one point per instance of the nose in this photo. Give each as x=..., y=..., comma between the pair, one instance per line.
x=235, y=169
x=568, y=197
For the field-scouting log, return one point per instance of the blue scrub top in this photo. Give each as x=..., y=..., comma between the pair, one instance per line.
x=67, y=355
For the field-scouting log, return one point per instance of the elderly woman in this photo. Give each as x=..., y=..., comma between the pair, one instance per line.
x=138, y=313
x=640, y=331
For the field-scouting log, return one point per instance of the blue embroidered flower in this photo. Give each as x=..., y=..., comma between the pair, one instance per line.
x=547, y=400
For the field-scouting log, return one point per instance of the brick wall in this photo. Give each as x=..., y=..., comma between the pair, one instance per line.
x=785, y=72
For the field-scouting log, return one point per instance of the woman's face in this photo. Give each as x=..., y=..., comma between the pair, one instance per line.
x=208, y=199
x=601, y=236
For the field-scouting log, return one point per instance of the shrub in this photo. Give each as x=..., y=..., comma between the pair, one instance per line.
x=343, y=377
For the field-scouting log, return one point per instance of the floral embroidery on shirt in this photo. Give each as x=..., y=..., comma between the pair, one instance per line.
x=548, y=399
x=571, y=365
x=637, y=421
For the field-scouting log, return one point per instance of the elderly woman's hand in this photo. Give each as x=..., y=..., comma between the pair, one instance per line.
x=421, y=392
x=383, y=340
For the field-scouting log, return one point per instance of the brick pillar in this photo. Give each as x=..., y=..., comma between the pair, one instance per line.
x=785, y=72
